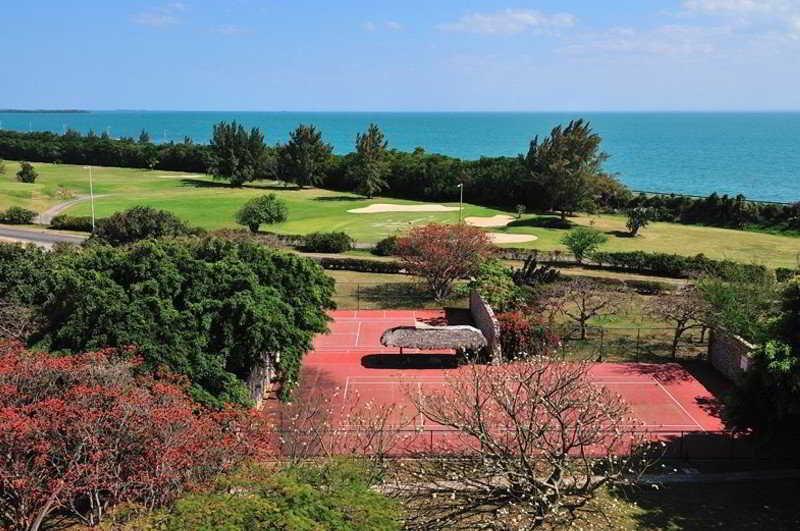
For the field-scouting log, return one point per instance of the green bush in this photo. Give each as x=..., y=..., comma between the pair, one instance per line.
x=327, y=242
x=583, y=241
x=76, y=223
x=386, y=246
x=17, y=216
x=333, y=495
x=676, y=266
x=27, y=173
x=363, y=265
x=139, y=223
x=259, y=210
x=785, y=274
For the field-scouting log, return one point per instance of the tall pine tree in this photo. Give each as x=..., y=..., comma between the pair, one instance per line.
x=370, y=165
x=304, y=159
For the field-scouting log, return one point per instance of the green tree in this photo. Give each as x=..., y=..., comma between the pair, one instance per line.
x=144, y=137
x=370, y=165
x=27, y=173
x=583, y=241
x=638, y=218
x=210, y=309
x=139, y=223
x=564, y=167
x=304, y=158
x=264, y=209
x=238, y=156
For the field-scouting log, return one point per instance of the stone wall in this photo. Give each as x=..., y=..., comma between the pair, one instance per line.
x=729, y=354
x=484, y=318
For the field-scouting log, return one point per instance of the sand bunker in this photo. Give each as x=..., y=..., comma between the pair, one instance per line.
x=379, y=208
x=500, y=220
x=499, y=237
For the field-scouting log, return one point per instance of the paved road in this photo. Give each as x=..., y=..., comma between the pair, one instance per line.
x=40, y=237
x=47, y=216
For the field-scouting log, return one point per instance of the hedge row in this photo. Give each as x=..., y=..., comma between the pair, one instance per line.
x=363, y=265
x=17, y=216
x=677, y=266
x=76, y=223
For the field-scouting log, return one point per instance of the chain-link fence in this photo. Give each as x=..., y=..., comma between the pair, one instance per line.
x=388, y=296
x=631, y=343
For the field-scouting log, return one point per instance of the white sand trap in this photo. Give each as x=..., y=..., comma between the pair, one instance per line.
x=500, y=220
x=499, y=237
x=379, y=208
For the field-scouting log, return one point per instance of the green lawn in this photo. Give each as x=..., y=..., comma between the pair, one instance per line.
x=209, y=204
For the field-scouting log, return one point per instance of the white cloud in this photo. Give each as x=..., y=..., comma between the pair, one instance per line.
x=763, y=16
x=671, y=40
x=160, y=17
x=230, y=30
x=389, y=25
x=510, y=22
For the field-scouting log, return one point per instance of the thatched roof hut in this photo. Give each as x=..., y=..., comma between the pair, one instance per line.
x=434, y=337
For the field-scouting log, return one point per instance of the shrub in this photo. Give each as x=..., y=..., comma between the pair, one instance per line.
x=139, y=223
x=265, y=209
x=76, y=223
x=27, y=173
x=331, y=495
x=386, y=247
x=583, y=241
x=327, y=242
x=523, y=335
x=442, y=254
x=677, y=266
x=495, y=283
x=17, y=216
x=82, y=433
x=363, y=265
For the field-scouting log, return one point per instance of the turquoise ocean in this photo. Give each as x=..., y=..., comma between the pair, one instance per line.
x=755, y=154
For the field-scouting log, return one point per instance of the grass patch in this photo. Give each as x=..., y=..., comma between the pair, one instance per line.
x=206, y=203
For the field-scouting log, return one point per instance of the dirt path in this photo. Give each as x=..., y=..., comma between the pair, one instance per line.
x=47, y=216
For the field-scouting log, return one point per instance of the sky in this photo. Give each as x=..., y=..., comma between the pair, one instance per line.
x=409, y=55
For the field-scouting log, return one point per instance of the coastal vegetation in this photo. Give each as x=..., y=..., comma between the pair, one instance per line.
x=489, y=181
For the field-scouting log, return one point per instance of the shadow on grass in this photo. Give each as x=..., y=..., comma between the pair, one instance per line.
x=767, y=504
x=339, y=198
x=200, y=183
x=545, y=222
x=410, y=361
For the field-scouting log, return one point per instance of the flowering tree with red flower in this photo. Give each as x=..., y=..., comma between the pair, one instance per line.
x=79, y=434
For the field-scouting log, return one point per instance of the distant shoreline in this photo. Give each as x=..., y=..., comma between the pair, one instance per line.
x=44, y=111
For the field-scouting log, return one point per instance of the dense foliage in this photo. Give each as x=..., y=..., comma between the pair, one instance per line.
x=82, y=433
x=327, y=242
x=17, y=216
x=386, y=247
x=237, y=155
x=209, y=309
x=139, y=223
x=329, y=495
x=523, y=335
x=304, y=159
x=76, y=223
x=263, y=209
x=369, y=165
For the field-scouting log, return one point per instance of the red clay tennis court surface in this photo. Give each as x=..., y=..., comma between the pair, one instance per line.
x=351, y=362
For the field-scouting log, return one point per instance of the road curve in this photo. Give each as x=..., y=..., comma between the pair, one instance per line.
x=42, y=238
x=47, y=216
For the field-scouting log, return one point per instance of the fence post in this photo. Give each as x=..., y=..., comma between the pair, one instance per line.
x=638, y=334
x=358, y=296
x=602, y=337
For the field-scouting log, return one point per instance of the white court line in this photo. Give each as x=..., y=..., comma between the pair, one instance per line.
x=680, y=406
x=358, y=334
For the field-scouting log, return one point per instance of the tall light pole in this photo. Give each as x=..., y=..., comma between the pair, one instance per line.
x=91, y=193
x=460, y=202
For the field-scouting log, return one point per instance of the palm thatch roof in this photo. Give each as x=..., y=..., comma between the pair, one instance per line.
x=434, y=337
